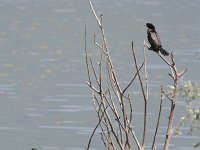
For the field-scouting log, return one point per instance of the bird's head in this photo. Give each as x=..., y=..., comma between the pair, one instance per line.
x=150, y=26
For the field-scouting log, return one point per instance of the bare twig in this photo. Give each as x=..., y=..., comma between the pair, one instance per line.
x=145, y=72
x=135, y=138
x=182, y=73
x=166, y=95
x=94, y=72
x=99, y=21
x=131, y=110
x=158, y=120
x=97, y=43
x=161, y=56
x=86, y=57
x=137, y=69
x=144, y=96
x=132, y=79
x=93, y=88
x=95, y=129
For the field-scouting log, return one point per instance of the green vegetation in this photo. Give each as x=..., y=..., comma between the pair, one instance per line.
x=198, y=55
x=191, y=92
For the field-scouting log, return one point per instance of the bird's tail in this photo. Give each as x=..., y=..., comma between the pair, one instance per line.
x=164, y=52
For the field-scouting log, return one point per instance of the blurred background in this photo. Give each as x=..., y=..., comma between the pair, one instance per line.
x=44, y=100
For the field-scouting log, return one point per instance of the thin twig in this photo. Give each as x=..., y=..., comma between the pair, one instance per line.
x=132, y=79
x=99, y=21
x=145, y=72
x=135, y=138
x=94, y=72
x=93, y=88
x=144, y=96
x=131, y=109
x=136, y=66
x=95, y=129
x=159, y=115
x=97, y=43
x=105, y=119
x=171, y=99
x=110, y=81
x=182, y=73
x=161, y=56
x=95, y=14
x=86, y=57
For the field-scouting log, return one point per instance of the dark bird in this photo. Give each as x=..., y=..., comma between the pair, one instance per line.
x=154, y=40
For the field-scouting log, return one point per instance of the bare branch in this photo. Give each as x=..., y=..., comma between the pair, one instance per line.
x=115, y=123
x=176, y=76
x=86, y=57
x=97, y=43
x=94, y=72
x=145, y=72
x=101, y=106
x=93, y=88
x=95, y=129
x=114, y=77
x=144, y=96
x=99, y=22
x=132, y=79
x=161, y=56
x=135, y=138
x=131, y=109
x=159, y=114
x=171, y=99
x=137, y=69
x=182, y=73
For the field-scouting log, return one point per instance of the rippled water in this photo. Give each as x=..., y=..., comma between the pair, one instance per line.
x=44, y=100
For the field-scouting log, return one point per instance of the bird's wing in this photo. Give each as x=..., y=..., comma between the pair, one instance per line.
x=154, y=39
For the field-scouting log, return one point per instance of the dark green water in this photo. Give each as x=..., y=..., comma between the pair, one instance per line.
x=44, y=100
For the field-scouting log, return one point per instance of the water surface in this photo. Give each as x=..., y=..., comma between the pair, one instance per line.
x=44, y=100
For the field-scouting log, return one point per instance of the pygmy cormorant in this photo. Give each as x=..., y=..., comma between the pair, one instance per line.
x=154, y=40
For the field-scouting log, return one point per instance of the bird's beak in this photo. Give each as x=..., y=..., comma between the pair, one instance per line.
x=145, y=25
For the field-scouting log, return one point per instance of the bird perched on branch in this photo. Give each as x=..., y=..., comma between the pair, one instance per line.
x=154, y=40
